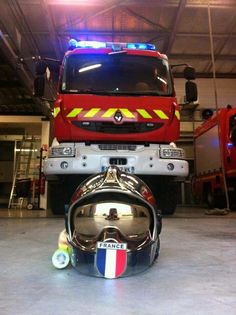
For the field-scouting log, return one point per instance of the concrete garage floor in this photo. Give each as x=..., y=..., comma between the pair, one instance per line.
x=195, y=273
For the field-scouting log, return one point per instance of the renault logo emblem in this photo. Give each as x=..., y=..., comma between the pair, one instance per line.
x=118, y=116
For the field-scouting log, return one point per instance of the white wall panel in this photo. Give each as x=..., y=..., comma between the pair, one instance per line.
x=208, y=151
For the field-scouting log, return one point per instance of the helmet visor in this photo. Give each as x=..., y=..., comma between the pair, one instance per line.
x=131, y=220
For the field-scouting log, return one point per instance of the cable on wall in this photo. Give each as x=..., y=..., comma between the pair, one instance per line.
x=217, y=106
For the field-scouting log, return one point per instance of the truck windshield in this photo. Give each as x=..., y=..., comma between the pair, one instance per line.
x=117, y=73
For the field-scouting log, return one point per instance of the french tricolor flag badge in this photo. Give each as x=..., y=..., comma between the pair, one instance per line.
x=111, y=259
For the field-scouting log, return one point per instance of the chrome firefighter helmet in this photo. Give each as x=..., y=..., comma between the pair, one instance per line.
x=113, y=225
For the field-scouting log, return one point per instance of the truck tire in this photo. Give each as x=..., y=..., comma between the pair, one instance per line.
x=61, y=191
x=57, y=198
x=167, y=198
x=210, y=198
x=220, y=199
x=215, y=199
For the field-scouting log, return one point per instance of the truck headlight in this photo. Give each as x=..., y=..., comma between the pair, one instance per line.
x=172, y=153
x=62, y=151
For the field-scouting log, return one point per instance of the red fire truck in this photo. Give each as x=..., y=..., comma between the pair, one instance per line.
x=212, y=148
x=116, y=105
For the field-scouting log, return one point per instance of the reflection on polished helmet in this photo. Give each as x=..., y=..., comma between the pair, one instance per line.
x=113, y=225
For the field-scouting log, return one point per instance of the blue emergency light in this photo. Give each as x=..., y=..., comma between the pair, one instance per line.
x=141, y=46
x=229, y=145
x=86, y=44
x=73, y=43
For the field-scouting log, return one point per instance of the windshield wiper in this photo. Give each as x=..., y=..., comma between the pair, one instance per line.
x=138, y=93
x=88, y=91
x=115, y=92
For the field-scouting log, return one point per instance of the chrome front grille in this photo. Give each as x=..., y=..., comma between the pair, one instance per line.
x=113, y=128
x=117, y=147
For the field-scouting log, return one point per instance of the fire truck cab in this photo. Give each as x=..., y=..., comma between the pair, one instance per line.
x=116, y=105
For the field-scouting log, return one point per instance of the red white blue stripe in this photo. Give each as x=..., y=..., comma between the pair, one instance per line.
x=111, y=259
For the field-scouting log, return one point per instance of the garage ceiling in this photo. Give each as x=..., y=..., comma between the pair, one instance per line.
x=179, y=28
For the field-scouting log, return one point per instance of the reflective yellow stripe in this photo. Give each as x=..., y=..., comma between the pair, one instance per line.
x=177, y=114
x=127, y=113
x=92, y=112
x=160, y=114
x=74, y=112
x=109, y=113
x=56, y=111
x=144, y=113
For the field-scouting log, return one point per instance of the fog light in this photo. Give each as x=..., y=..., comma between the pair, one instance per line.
x=64, y=164
x=170, y=166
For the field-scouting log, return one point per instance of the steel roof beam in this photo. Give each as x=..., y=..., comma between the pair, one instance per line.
x=17, y=102
x=10, y=84
x=219, y=75
x=114, y=5
x=201, y=57
x=170, y=42
x=52, y=33
x=144, y=19
x=226, y=4
x=24, y=75
x=218, y=35
x=222, y=45
x=131, y=33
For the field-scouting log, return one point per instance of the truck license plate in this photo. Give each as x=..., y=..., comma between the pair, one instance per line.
x=127, y=169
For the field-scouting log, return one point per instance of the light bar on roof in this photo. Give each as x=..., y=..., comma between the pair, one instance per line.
x=86, y=44
x=73, y=43
x=141, y=46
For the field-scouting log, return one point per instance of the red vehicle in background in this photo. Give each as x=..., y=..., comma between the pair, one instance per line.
x=116, y=105
x=211, y=149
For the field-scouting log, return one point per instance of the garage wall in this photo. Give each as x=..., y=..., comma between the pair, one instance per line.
x=29, y=125
x=226, y=91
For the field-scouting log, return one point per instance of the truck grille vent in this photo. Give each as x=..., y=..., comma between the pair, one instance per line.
x=118, y=161
x=116, y=147
x=110, y=127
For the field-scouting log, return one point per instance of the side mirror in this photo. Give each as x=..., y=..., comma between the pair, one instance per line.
x=40, y=67
x=39, y=85
x=191, y=94
x=189, y=73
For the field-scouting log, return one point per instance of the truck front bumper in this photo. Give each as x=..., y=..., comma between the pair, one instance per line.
x=92, y=159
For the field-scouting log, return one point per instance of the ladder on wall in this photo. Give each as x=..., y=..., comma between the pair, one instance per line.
x=22, y=172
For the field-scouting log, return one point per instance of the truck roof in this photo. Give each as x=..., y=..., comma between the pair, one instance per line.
x=94, y=47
